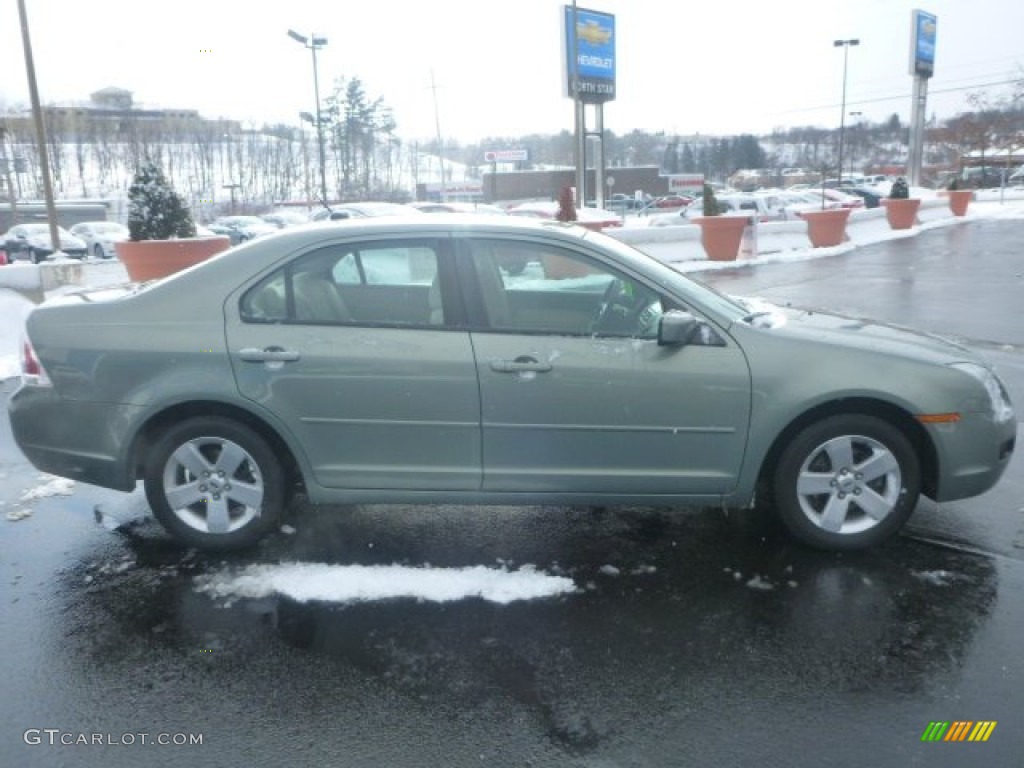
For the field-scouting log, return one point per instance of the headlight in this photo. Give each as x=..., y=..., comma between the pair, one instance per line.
x=1002, y=410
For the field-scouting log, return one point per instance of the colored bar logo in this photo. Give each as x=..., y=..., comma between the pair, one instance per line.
x=959, y=730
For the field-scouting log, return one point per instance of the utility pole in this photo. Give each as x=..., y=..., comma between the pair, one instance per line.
x=437, y=127
x=37, y=118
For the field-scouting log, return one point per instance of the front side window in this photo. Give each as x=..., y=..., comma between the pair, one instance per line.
x=388, y=283
x=535, y=288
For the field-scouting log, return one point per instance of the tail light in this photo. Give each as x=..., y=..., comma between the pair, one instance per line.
x=32, y=372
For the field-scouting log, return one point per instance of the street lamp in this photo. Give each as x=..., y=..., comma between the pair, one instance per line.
x=315, y=43
x=859, y=133
x=845, y=45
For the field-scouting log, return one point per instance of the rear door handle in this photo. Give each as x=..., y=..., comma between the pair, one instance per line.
x=268, y=355
x=520, y=365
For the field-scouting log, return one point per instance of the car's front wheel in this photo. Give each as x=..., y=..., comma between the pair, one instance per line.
x=214, y=483
x=847, y=482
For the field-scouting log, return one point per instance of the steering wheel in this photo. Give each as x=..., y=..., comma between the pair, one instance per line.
x=623, y=311
x=608, y=302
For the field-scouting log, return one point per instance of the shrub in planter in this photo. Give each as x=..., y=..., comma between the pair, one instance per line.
x=900, y=208
x=720, y=235
x=959, y=199
x=566, y=205
x=155, y=210
x=900, y=190
x=710, y=202
x=162, y=233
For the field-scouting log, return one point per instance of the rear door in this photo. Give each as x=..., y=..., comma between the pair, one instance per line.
x=352, y=347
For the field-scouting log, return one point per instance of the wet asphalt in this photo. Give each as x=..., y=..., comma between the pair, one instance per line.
x=695, y=637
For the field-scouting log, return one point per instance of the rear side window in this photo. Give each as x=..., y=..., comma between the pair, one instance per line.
x=387, y=283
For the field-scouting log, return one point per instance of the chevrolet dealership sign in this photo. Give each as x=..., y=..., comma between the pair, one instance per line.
x=589, y=41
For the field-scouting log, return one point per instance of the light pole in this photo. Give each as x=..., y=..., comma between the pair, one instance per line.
x=315, y=43
x=845, y=45
x=858, y=133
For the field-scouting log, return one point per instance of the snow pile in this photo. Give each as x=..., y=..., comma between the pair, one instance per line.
x=14, y=308
x=52, y=486
x=304, y=582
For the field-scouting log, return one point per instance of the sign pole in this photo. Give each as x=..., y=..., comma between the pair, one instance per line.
x=599, y=155
x=922, y=66
x=915, y=159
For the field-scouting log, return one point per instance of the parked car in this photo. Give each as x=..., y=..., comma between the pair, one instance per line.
x=283, y=219
x=729, y=204
x=241, y=228
x=981, y=178
x=842, y=197
x=872, y=197
x=671, y=201
x=590, y=218
x=623, y=202
x=365, y=210
x=394, y=361
x=32, y=242
x=792, y=203
x=428, y=206
x=100, y=236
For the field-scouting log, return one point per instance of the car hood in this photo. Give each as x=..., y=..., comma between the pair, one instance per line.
x=859, y=333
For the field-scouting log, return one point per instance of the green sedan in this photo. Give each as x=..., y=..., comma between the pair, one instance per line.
x=483, y=360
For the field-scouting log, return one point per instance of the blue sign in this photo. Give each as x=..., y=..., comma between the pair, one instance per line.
x=923, y=44
x=590, y=54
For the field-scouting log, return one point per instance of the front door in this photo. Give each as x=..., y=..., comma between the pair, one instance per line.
x=576, y=394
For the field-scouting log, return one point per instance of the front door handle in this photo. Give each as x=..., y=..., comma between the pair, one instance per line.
x=520, y=365
x=268, y=355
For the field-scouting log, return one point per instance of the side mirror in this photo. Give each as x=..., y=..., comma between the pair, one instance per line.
x=676, y=328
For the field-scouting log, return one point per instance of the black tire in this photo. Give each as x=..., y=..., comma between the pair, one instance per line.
x=249, y=509
x=823, y=498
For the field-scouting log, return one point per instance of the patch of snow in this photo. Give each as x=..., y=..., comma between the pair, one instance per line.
x=760, y=584
x=644, y=570
x=609, y=570
x=53, y=486
x=936, y=578
x=304, y=582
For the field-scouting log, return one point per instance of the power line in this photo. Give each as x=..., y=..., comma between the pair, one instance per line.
x=905, y=96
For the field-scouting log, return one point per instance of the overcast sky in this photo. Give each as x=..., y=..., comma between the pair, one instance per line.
x=684, y=66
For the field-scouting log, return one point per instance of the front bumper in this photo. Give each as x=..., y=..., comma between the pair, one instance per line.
x=973, y=454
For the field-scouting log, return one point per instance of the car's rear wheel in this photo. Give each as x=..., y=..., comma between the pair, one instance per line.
x=847, y=482
x=214, y=483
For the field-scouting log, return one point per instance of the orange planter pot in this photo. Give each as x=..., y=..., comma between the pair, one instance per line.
x=901, y=212
x=826, y=228
x=959, y=199
x=559, y=267
x=721, y=236
x=153, y=259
